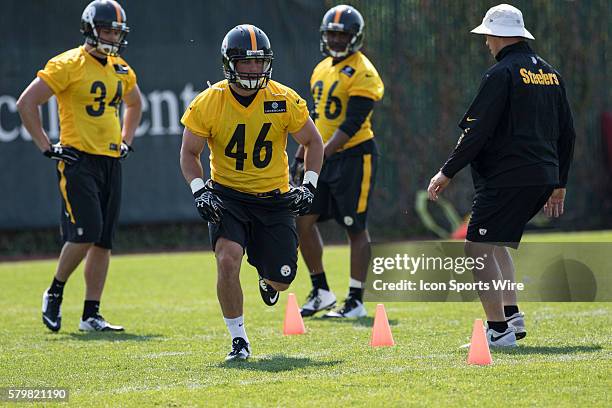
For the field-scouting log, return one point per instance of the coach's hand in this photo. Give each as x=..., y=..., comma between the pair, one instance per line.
x=209, y=205
x=58, y=152
x=554, y=205
x=436, y=185
x=296, y=171
x=125, y=150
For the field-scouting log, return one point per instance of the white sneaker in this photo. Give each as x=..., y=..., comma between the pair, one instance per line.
x=351, y=308
x=97, y=323
x=318, y=299
x=517, y=323
x=505, y=339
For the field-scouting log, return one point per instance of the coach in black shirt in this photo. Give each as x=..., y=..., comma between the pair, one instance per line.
x=518, y=136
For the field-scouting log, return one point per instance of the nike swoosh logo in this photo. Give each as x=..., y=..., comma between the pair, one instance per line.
x=241, y=324
x=273, y=299
x=368, y=76
x=51, y=322
x=494, y=338
x=470, y=119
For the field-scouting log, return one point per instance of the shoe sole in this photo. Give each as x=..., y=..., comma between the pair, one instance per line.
x=54, y=329
x=346, y=317
x=310, y=312
x=101, y=331
x=236, y=359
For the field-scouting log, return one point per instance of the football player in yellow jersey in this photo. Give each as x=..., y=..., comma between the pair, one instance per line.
x=90, y=83
x=248, y=202
x=345, y=86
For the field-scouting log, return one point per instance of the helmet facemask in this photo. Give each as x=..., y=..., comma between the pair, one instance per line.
x=111, y=48
x=249, y=80
x=349, y=46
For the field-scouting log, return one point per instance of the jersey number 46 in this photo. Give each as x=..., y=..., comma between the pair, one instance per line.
x=235, y=147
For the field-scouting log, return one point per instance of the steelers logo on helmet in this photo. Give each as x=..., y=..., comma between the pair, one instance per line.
x=341, y=31
x=104, y=14
x=247, y=57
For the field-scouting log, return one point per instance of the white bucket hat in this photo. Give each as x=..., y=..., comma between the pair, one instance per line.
x=503, y=20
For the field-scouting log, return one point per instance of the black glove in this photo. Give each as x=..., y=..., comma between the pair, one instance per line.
x=125, y=150
x=296, y=172
x=208, y=204
x=58, y=152
x=301, y=198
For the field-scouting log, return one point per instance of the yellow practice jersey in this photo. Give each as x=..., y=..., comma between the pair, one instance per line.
x=332, y=85
x=89, y=95
x=247, y=144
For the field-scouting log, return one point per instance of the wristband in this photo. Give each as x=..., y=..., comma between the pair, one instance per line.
x=196, y=184
x=311, y=177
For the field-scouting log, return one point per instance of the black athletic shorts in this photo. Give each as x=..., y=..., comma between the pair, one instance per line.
x=264, y=227
x=345, y=186
x=499, y=215
x=91, y=197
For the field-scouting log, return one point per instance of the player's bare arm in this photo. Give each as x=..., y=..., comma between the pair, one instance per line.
x=338, y=140
x=191, y=148
x=133, y=113
x=36, y=94
x=308, y=137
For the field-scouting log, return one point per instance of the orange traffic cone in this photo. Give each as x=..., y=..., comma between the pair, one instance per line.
x=293, y=319
x=381, y=332
x=479, y=347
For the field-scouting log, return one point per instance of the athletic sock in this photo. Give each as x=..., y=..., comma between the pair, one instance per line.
x=236, y=327
x=510, y=310
x=90, y=309
x=356, y=289
x=57, y=287
x=319, y=281
x=499, y=327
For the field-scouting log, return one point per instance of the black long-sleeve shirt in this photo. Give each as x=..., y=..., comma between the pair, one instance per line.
x=519, y=130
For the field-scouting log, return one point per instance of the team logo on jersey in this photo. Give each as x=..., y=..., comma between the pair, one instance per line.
x=348, y=70
x=275, y=106
x=121, y=69
x=113, y=147
x=482, y=231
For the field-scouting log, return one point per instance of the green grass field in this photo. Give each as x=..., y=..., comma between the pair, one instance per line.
x=172, y=353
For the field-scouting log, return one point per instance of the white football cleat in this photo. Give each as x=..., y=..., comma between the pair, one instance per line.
x=517, y=323
x=351, y=308
x=505, y=339
x=318, y=299
x=97, y=323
